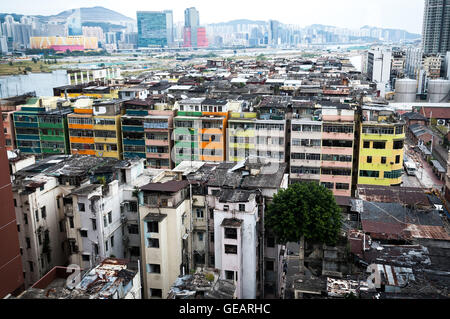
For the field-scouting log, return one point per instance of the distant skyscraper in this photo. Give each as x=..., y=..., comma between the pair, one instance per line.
x=274, y=32
x=191, y=24
x=436, y=26
x=74, y=23
x=155, y=28
x=194, y=35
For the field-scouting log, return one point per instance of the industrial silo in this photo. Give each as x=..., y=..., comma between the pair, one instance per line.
x=438, y=91
x=405, y=91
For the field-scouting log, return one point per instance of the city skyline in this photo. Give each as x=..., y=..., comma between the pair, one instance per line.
x=362, y=13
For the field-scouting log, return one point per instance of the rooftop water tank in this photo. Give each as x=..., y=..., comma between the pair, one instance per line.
x=438, y=91
x=405, y=91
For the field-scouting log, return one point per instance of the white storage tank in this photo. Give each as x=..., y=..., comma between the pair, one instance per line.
x=438, y=91
x=405, y=91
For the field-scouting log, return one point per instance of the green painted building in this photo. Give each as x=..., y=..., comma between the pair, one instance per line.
x=42, y=132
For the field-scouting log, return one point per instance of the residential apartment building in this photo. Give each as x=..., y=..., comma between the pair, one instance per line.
x=40, y=221
x=200, y=130
x=165, y=227
x=81, y=127
x=132, y=177
x=238, y=194
x=432, y=64
x=147, y=132
x=237, y=218
x=42, y=131
x=250, y=136
x=338, y=140
x=107, y=128
x=95, y=128
x=306, y=150
x=381, y=147
x=94, y=223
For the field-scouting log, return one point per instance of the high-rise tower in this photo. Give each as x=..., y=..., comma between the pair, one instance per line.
x=436, y=27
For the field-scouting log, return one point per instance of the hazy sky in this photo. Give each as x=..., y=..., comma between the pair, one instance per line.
x=399, y=14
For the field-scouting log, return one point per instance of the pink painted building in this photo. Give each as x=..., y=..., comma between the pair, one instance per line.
x=338, y=138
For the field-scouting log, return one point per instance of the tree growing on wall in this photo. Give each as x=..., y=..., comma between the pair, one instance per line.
x=304, y=211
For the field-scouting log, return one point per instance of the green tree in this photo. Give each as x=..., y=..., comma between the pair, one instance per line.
x=304, y=211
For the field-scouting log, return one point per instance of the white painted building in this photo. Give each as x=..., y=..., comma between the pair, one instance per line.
x=236, y=217
x=40, y=224
x=165, y=226
x=94, y=223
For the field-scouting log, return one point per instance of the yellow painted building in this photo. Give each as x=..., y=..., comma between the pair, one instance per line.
x=94, y=128
x=381, y=152
x=241, y=136
x=108, y=136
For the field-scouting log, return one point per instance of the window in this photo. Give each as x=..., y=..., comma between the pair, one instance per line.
x=152, y=227
x=229, y=275
x=399, y=130
x=25, y=219
x=85, y=257
x=369, y=159
x=383, y=160
x=379, y=145
x=211, y=236
x=199, y=213
x=133, y=229
x=15, y=202
x=81, y=207
x=373, y=174
x=154, y=268
x=397, y=159
x=18, y=228
x=200, y=236
x=96, y=249
x=156, y=293
x=36, y=214
x=230, y=233
x=231, y=249
x=393, y=174
x=366, y=144
x=30, y=263
x=40, y=239
x=94, y=224
x=270, y=242
x=135, y=251
x=105, y=221
x=110, y=217
x=269, y=265
x=328, y=185
x=44, y=212
x=28, y=241
x=153, y=242
x=106, y=245
x=342, y=186
x=242, y=207
x=71, y=222
x=83, y=233
x=398, y=145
